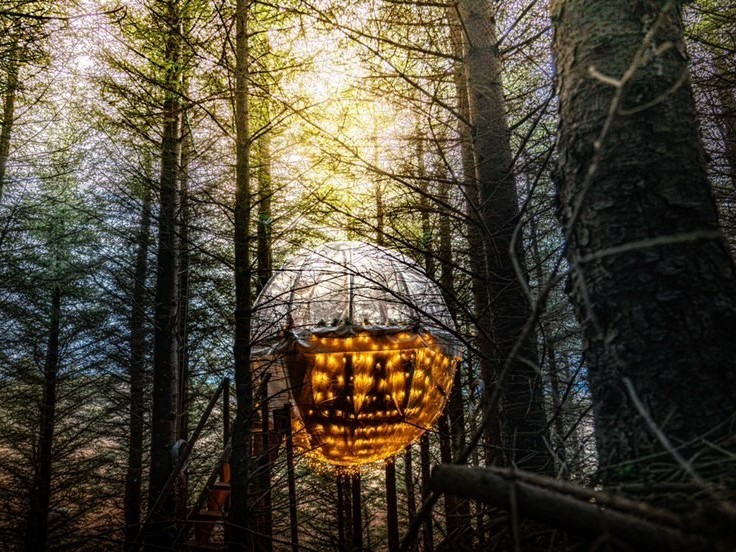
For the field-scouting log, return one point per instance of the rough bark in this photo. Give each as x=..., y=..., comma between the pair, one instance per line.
x=522, y=416
x=242, y=512
x=37, y=525
x=165, y=345
x=652, y=281
x=136, y=421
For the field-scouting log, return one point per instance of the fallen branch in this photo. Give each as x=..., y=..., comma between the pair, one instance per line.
x=586, y=516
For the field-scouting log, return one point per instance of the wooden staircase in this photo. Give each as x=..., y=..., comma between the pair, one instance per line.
x=210, y=511
x=213, y=515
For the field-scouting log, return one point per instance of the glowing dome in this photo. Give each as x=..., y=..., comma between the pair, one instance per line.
x=358, y=339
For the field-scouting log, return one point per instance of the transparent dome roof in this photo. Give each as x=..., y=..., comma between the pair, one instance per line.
x=357, y=342
x=348, y=283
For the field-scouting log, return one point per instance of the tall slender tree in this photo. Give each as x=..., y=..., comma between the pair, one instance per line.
x=165, y=340
x=137, y=371
x=521, y=406
x=242, y=514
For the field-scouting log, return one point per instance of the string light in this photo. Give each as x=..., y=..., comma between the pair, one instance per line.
x=364, y=399
x=360, y=393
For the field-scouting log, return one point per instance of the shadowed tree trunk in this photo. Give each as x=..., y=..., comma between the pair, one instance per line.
x=37, y=526
x=11, y=89
x=182, y=409
x=452, y=422
x=523, y=424
x=725, y=93
x=652, y=281
x=474, y=229
x=411, y=502
x=242, y=517
x=136, y=422
x=392, y=509
x=265, y=193
x=165, y=345
x=424, y=461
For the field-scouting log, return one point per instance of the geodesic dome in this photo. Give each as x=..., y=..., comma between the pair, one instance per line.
x=359, y=340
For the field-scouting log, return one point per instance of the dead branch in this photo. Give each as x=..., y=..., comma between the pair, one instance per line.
x=549, y=504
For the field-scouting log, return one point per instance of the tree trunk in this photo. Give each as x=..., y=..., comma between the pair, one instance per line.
x=242, y=510
x=165, y=346
x=357, y=513
x=265, y=193
x=652, y=281
x=11, y=89
x=425, y=460
x=392, y=509
x=411, y=502
x=291, y=482
x=723, y=82
x=474, y=230
x=38, y=511
x=557, y=436
x=134, y=474
x=182, y=409
x=521, y=408
x=378, y=187
x=425, y=243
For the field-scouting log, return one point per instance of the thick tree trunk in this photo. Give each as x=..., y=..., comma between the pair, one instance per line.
x=521, y=407
x=11, y=89
x=136, y=422
x=242, y=514
x=652, y=281
x=38, y=512
x=165, y=346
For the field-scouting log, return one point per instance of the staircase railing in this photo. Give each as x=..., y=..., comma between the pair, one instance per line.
x=186, y=450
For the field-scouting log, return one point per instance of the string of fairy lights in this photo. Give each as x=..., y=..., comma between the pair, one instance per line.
x=364, y=399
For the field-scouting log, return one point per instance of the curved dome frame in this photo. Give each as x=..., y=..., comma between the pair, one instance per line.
x=359, y=340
